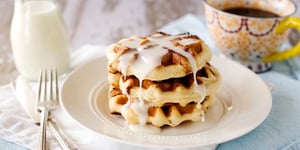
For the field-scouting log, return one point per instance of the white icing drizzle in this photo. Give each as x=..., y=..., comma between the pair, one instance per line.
x=140, y=92
x=202, y=115
x=187, y=41
x=202, y=90
x=141, y=109
x=148, y=59
x=125, y=60
x=148, y=56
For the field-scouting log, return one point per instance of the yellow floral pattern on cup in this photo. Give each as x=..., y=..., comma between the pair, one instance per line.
x=246, y=39
x=240, y=36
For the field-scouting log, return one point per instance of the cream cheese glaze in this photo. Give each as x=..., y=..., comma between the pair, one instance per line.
x=145, y=55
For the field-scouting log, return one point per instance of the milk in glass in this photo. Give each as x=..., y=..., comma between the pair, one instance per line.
x=38, y=38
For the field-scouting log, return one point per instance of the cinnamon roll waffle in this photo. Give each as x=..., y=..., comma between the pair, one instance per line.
x=161, y=79
x=170, y=56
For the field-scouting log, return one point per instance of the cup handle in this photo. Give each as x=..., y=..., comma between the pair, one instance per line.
x=289, y=22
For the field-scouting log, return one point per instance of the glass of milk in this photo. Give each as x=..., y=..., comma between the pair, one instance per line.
x=38, y=38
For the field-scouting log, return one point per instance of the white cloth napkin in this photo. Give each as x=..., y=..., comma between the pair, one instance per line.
x=16, y=126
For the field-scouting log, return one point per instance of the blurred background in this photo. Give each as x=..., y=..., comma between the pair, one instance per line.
x=106, y=21
x=102, y=22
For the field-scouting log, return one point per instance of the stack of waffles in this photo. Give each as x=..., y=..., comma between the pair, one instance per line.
x=161, y=79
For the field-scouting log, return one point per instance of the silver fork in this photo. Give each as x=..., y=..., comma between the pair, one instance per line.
x=47, y=99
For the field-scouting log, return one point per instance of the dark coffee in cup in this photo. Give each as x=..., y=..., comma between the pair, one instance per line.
x=251, y=12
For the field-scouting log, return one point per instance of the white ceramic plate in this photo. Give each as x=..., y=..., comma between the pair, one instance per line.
x=84, y=98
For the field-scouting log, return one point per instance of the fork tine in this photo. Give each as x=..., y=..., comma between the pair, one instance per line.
x=45, y=79
x=42, y=87
x=53, y=84
x=50, y=74
x=56, y=85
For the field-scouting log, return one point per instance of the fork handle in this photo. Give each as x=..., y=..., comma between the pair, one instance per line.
x=63, y=140
x=43, y=127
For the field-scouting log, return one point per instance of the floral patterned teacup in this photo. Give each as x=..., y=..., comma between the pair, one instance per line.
x=252, y=31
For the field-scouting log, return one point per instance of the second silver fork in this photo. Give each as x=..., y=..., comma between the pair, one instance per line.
x=48, y=98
